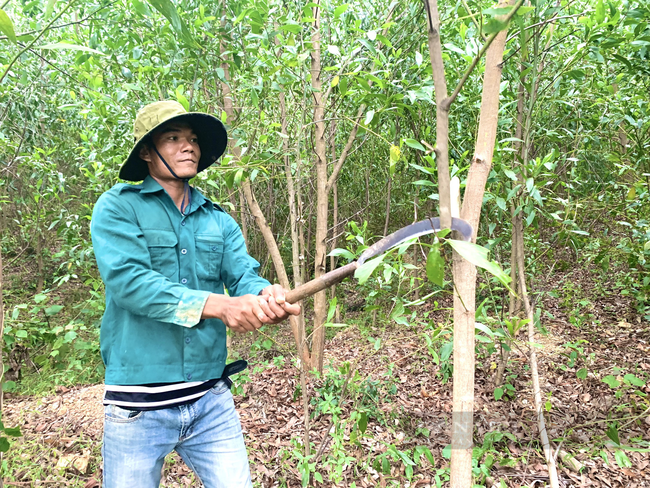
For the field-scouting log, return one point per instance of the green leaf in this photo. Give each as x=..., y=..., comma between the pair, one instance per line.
x=73, y=47
x=612, y=433
x=141, y=8
x=611, y=381
x=342, y=252
x=622, y=460
x=633, y=380
x=414, y=144
x=446, y=452
x=498, y=393
x=365, y=270
x=494, y=25
x=53, y=310
x=477, y=255
x=293, y=28
x=599, y=16
x=7, y=27
x=13, y=431
x=4, y=444
x=340, y=9
x=363, y=422
x=48, y=9
x=436, y=266
x=168, y=9
x=582, y=373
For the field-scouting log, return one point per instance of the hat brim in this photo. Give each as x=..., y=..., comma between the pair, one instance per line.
x=211, y=133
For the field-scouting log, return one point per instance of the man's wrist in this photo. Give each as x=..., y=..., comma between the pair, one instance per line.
x=215, y=306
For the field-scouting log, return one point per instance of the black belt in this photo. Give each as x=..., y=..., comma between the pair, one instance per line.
x=233, y=368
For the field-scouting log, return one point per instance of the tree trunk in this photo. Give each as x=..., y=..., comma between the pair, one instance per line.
x=335, y=208
x=465, y=272
x=537, y=394
x=242, y=217
x=322, y=198
x=387, y=219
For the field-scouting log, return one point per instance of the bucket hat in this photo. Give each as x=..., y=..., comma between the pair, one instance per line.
x=211, y=133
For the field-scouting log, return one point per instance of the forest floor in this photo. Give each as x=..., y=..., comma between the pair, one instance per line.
x=408, y=404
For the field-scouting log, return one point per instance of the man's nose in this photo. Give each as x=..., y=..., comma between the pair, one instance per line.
x=187, y=145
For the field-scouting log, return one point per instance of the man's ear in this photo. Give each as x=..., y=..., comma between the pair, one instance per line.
x=145, y=153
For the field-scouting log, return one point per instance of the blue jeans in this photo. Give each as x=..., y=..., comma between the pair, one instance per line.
x=207, y=434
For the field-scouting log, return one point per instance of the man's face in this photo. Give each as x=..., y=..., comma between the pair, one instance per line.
x=179, y=145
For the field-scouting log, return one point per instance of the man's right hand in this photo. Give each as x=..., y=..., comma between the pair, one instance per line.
x=241, y=314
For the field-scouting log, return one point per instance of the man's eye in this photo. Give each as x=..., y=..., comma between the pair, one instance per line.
x=195, y=139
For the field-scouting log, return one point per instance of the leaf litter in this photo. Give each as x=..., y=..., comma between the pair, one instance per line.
x=67, y=426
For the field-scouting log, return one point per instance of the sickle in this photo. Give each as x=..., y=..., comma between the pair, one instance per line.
x=424, y=227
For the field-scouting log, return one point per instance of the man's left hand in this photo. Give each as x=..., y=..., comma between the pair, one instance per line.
x=274, y=305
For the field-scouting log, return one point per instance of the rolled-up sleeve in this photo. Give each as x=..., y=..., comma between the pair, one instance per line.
x=124, y=263
x=239, y=271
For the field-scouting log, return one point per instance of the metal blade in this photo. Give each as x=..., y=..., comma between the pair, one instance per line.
x=424, y=227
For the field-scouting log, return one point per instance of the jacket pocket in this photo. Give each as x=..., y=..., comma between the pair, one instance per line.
x=209, y=253
x=162, y=250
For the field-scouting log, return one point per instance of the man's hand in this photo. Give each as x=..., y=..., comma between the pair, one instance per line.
x=274, y=305
x=249, y=312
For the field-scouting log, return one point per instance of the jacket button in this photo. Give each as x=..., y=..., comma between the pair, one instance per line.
x=183, y=251
x=184, y=280
x=187, y=340
x=183, y=222
x=214, y=248
x=189, y=376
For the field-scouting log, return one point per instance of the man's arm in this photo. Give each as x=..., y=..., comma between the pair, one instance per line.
x=244, y=309
x=125, y=266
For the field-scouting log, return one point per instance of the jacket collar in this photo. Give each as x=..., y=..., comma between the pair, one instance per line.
x=149, y=185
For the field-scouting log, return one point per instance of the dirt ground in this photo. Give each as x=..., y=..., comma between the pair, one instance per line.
x=579, y=411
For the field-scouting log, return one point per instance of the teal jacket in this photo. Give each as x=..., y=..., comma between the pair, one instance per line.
x=159, y=267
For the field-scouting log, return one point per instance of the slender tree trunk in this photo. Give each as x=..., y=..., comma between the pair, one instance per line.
x=388, y=190
x=335, y=208
x=322, y=198
x=242, y=217
x=465, y=272
x=298, y=322
x=254, y=207
x=537, y=394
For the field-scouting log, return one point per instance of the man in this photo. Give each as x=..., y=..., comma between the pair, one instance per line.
x=165, y=253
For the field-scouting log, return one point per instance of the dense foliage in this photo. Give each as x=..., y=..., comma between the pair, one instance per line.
x=73, y=74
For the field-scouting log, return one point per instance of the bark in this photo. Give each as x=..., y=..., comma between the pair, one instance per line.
x=242, y=217
x=442, y=111
x=297, y=323
x=465, y=273
x=254, y=207
x=335, y=208
x=387, y=219
x=539, y=407
x=322, y=198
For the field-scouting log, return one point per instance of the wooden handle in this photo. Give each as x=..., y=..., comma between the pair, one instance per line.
x=325, y=281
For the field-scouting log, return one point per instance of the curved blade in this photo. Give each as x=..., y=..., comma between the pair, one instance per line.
x=424, y=227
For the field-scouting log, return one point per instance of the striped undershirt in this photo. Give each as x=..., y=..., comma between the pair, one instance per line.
x=155, y=396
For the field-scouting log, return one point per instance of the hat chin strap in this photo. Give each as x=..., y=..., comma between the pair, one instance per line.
x=186, y=190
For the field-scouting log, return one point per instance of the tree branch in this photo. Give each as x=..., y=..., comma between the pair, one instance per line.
x=81, y=21
x=447, y=103
x=29, y=46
